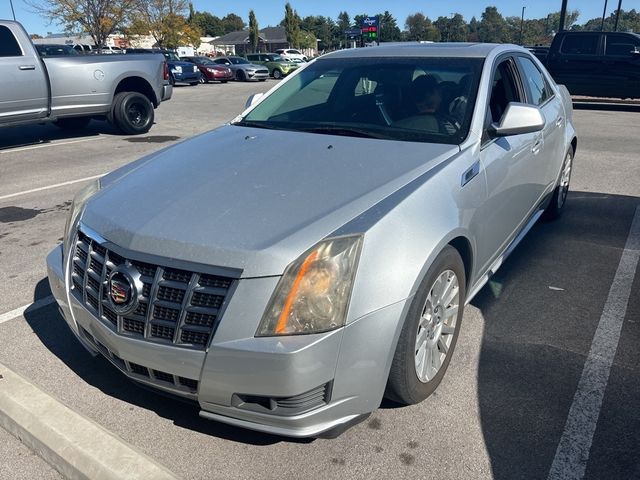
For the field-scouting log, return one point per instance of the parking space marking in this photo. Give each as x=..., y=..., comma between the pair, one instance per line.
x=572, y=455
x=49, y=144
x=49, y=187
x=43, y=302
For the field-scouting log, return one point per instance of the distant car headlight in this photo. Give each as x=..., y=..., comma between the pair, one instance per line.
x=211, y=70
x=313, y=294
x=177, y=69
x=79, y=201
x=195, y=68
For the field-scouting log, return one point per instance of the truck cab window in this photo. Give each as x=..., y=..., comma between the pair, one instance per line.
x=621, y=45
x=8, y=44
x=581, y=44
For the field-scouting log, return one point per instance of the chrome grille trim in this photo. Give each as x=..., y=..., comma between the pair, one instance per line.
x=88, y=283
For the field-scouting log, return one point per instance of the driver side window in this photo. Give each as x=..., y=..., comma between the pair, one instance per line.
x=504, y=89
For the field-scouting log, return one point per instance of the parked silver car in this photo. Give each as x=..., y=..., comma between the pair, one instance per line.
x=243, y=69
x=289, y=293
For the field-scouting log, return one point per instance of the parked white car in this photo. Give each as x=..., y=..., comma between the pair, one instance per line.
x=291, y=54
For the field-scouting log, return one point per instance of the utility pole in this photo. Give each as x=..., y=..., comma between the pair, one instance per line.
x=12, y=10
x=563, y=14
x=521, y=24
x=604, y=12
x=615, y=29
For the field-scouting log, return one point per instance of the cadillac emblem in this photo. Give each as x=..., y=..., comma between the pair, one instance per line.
x=122, y=291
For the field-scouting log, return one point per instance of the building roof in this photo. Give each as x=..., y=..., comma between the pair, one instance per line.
x=267, y=35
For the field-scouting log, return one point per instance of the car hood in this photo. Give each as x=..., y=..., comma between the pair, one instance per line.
x=257, y=200
x=180, y=64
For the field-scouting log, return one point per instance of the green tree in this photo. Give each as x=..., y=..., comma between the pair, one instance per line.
x=232, y=23
x=344, y=22
x=474, y=28
x=254, y=31
x=420, y=27
x=209, y=25
x=458, y=29
x=165, y=20
x=98, y=18
x=291, y=25
x=389, y=30
x=493, y=27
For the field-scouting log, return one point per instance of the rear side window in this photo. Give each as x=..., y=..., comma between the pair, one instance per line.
x=580, y=44
x=538, y=87
x=8, y=44
x=621, y=45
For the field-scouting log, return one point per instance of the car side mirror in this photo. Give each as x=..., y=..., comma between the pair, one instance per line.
x=253, y=99
x=517, y=119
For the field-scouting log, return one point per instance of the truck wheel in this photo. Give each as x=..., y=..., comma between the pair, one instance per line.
x=75, y=123
x=132, y=113
x=430, y=331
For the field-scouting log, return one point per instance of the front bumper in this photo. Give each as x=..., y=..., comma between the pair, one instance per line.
x=186, y=77
x=238, y=373
x=257, y=75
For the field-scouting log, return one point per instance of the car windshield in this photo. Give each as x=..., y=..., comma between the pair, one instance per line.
x=171, y=56
x=412, y=99
x=204, y=60
x=275, y=58
x=238, y=61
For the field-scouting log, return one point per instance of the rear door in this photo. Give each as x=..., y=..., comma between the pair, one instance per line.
x=24, y=91
x=540, y=94
x=621, y=66
x=578, y=64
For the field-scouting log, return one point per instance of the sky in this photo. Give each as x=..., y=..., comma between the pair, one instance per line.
x=271, y=12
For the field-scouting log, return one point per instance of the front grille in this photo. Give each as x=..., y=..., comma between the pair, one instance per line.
x=179, y=307
x=263, y=72
x=305, y=401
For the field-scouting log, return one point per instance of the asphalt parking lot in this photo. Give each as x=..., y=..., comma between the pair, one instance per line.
x=501, y=410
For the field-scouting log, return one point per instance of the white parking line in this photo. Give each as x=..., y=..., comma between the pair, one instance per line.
x=572, y=454
x=48, y=187
x=49, y=144
x=43, y=302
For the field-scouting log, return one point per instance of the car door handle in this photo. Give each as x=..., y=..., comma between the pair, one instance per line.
x=27, y=67
x=537, y=145
x=559, y=121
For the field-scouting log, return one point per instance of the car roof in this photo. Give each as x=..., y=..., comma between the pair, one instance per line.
x=405, y=49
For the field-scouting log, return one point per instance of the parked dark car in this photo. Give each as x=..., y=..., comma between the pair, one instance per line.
x=597, y=64
x=210, y=71
x=179, y=70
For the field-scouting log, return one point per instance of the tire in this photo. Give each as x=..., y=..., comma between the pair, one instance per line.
x=204, y=79
x=409, y=383
x=224, y=81
x=277, y=74
x=172, y=80
x=241, y=76
x=75, y=123
x=559, y=198
x=133, y=113
x=193, y=84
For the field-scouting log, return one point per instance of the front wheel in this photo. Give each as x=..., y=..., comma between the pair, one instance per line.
x=559, y=198
x=277, y=74
x=132, y=113
x=430, y=331
x=203, y=79
x=240, y=76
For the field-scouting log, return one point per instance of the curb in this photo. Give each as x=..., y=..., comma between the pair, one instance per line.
x=74, y=445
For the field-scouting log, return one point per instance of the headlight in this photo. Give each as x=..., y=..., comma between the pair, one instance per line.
x=177, y=69
x=195, y=68
x=211, y=70
x=313, y=294
x=77, y=206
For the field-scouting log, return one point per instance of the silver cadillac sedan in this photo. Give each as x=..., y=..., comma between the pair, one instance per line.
x=290, y=293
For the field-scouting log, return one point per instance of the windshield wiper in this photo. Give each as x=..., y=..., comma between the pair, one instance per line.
x=344, y=131
x=269, y=126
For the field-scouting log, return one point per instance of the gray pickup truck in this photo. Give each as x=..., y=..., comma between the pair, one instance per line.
x=71, y=90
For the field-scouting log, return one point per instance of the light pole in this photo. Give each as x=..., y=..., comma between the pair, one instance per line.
x=604, y=12
x=615, y=29
x=521, y=24
x=12, y=10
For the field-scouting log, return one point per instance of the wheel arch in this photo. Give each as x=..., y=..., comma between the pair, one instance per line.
x=140, y=85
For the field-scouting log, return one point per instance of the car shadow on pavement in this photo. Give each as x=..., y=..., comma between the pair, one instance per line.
x=53, y=332
x=609, y=107
x=33, y=135
x=540, y=312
